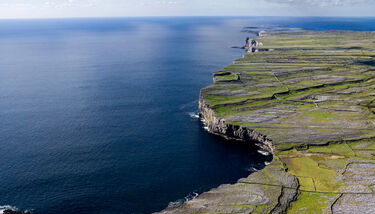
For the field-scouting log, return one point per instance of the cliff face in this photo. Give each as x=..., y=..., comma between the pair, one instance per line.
x=220, y=127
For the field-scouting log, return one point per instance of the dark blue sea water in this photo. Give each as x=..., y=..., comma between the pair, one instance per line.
x=96, y=115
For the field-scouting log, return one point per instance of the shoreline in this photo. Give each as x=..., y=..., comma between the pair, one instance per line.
x=286, y=114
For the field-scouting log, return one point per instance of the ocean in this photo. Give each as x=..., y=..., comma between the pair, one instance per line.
x=99, y=116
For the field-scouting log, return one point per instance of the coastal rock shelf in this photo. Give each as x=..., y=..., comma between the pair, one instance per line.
x=311, y=102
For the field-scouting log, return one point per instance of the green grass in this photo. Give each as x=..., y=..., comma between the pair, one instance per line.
x=314, y=203
x=319, y=115
x=306, y=169
x=230, y=77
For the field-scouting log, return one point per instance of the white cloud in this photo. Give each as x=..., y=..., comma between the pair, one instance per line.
x=321, y=3
x=110, y=8
x=68, y=3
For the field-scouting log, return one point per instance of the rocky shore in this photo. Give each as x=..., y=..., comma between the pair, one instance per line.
x=14, y=212
x=311, y=103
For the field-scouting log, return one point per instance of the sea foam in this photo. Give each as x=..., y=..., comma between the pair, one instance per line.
x=7, y=207
x=193, y=115
x=263, y=152
x=187, y=198
x=252, y=169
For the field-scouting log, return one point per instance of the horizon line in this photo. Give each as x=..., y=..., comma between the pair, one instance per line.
x=193, y=16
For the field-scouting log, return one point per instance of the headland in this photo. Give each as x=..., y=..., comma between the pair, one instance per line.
x=311, y=103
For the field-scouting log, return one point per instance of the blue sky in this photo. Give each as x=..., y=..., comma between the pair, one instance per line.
x=115, y=8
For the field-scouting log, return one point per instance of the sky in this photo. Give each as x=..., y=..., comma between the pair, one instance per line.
x=126, y=8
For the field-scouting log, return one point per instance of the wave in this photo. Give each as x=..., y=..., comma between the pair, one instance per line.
x=205, y=127
x=187, y=198
x=263, y=152
x=252, y=169
x=13, y=208
x=193, y=115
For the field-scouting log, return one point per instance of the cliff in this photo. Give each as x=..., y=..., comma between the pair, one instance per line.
x=311, y=102
x=233, y=132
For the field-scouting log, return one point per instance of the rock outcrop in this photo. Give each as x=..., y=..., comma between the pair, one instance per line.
x=14, y=212
x=252, y=45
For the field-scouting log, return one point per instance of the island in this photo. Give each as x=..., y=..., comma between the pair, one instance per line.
x=309, y=99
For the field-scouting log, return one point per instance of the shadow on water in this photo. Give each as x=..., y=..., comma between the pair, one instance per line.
x=246, y=159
